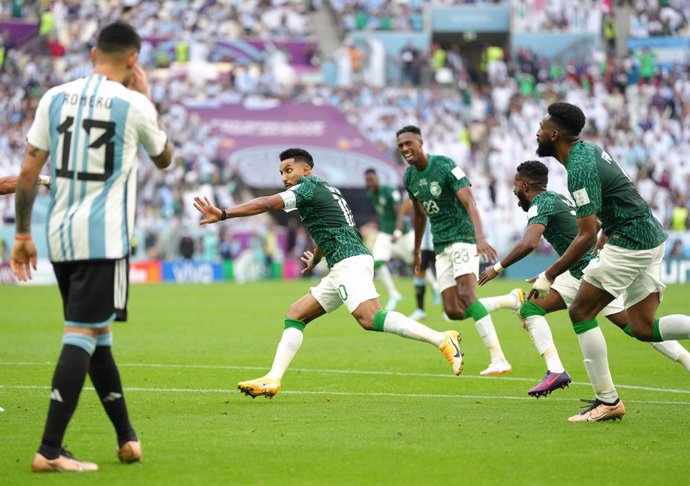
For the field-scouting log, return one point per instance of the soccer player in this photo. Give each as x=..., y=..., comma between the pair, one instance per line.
x=90, y=129
x=425, y=273
x=629, y=264
x=440, y=190
x=394, y=238
x=328, y=218
x=553, y=216
x=8, y=185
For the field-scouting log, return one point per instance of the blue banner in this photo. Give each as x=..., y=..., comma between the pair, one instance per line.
x=470, y=19
x=192, y=271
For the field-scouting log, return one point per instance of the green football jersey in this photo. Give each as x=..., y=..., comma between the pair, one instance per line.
x=600, y=186
x=385, y=200
x=436, y=187
x=327, y=217
x=557, y=214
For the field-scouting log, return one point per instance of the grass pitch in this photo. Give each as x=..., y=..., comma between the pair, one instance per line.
x=356, y=407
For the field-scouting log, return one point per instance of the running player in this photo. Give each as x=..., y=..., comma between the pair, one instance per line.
x=440, y=190
x=628, y=265
x=328, y=218
x=91, y=129
x=394, y=239
x=553, y=216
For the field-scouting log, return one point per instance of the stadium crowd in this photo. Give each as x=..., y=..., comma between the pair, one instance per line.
x=486, y=123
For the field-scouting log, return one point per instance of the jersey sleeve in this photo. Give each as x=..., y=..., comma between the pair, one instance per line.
x=304, y=192
x=585, y=188
x=406, y=183
x=539, y=212
x=39, y=133
x=151, y=136
x=456, y=177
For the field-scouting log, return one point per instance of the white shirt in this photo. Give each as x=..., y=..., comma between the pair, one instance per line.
x=92, y=128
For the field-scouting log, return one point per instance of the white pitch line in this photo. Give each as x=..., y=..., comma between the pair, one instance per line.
x=348, y=372
x=346, y=394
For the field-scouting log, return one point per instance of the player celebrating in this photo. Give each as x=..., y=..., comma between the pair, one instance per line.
x=553, y=216
x=629, y=264
x=394, y=238
x=328, y=219
x=90, y=129
x=440, y=190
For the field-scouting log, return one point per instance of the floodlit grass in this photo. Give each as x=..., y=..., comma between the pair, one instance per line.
x=356, y=407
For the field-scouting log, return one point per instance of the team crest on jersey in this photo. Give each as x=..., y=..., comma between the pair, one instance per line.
x=435, y=189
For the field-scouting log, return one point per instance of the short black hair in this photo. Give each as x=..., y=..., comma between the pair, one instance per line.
x=534, y=172
x=408, y=129
x=568, y=117
x=299, y=154
x=370, y=171
x=118, y=37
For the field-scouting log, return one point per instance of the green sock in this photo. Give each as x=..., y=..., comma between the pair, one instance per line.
x=476, y=311
x=657, y=332
x=379, y=319
x=581, y=327
x=296, y=323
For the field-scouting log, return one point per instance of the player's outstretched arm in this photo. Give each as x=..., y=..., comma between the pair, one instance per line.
x=256, y=206
x=529, y=241
x=587, y=229
x=484, y=249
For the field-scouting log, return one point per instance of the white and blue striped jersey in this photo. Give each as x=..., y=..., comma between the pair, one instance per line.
x=92, y=128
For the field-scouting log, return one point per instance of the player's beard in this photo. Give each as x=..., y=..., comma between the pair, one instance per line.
x=546, y=149
x=522, y=201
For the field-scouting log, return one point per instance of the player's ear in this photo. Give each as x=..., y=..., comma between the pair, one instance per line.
x=93, y=56
x=132, y=59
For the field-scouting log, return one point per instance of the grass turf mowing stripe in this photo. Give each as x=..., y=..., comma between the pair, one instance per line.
x=349, y=372
x=344, y=393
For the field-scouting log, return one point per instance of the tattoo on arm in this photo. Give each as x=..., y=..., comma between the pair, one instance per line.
x=24, y=203
x=33, y=151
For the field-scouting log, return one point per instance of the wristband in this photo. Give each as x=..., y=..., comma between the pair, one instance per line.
x=397, y=234
x=498, y=268
x=223, y=215
x=19, y=237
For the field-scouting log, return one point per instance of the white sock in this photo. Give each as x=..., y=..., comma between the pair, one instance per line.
x=486, y=330
x=674, y=351
x=540, y=332
x=288, y=346
x=397, y=323
x=675, y=326
x=387, y=280
x=507, y=301
x=595, y=355
x=431, y=280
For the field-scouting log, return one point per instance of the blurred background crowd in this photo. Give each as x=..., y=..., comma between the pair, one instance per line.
x=383, y=64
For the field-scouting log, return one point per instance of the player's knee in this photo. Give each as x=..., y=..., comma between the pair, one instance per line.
x=578, y=313
x=366, y=322
x=455, y=313
x=642, y=331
